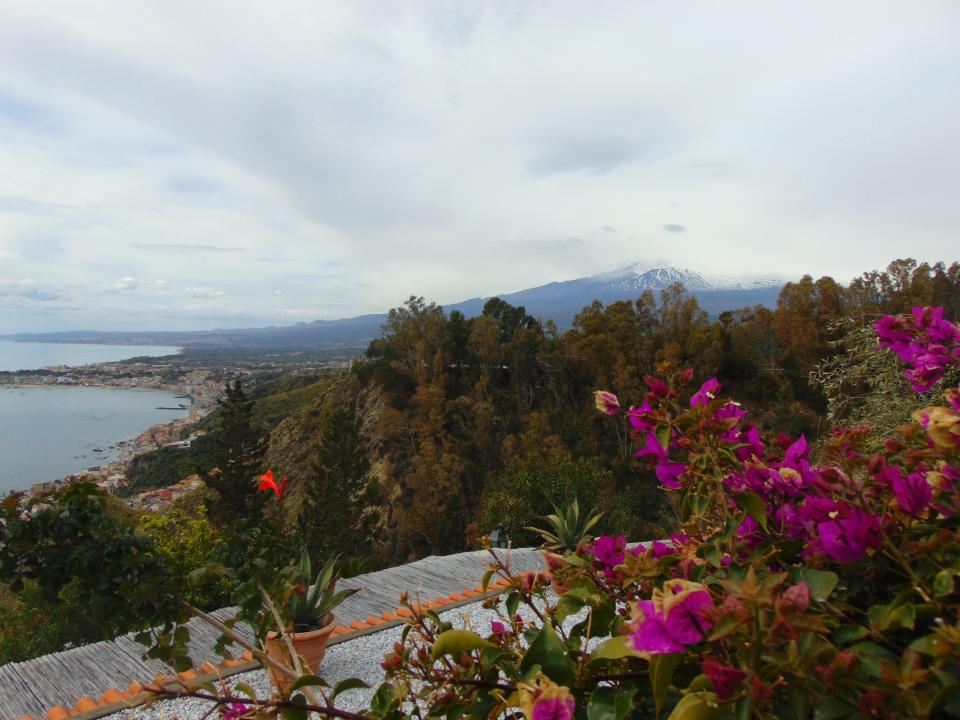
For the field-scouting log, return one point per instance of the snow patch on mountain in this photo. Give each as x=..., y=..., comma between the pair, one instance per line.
x=637, y=278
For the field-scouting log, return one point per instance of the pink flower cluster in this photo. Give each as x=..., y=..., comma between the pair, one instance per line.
x=675, y=618
x=926, y=342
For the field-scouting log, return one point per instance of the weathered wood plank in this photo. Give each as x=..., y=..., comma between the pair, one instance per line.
x=32, y=687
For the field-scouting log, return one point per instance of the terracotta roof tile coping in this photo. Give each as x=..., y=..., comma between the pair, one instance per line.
x=113, y=700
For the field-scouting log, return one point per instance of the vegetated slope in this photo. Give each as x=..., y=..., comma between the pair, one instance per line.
x=471, y=423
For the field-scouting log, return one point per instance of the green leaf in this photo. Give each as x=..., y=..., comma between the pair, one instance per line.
x=696, y=706
x=870, y=654
x=662, y=668
x=246, y=690
x=308, y=681
x=754, y=506
x=846, y=634
x=943, y=583
x=295, y=713
x=549, y=652
x=821, y=582
x=832, y=709
x=513, y=601
x=568, y=606
x=348, y=684
x=663, y=436
x=454, y=642
x=386, y=699
x=928, y=645
x=610, y=703
x=614, y=649
x=885, y=617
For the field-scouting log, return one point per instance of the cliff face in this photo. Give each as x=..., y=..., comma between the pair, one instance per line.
x=294, y=443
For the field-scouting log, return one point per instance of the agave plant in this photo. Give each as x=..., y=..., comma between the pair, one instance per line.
x=308, y=605
x=567, y=528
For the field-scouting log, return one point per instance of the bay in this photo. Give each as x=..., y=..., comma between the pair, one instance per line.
x=16, y=356
x=49, y=432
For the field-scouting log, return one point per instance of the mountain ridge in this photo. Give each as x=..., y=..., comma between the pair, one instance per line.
x=558, y=301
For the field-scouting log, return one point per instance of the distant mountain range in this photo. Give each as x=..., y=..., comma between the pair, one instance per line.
x=557, y=301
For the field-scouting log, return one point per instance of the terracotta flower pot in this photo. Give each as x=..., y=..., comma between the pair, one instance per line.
x=311, y=646
x=555, y=562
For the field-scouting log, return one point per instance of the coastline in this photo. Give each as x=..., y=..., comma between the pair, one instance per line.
x=111, y=475
x=194, y=391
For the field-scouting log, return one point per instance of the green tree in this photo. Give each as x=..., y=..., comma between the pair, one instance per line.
x=239, y=452
x=336, y=514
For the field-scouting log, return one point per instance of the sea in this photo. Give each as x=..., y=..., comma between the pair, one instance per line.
x=48, y=432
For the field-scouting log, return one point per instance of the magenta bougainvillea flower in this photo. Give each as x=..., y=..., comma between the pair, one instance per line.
x=706, y=394
x=609, y=550
x=640, y=417
x=926, y=342
x=913, y=492
x=553, y=708
x=606, y=402
x=545, y=700
x=676, y=617
x=658, y=387
x=849, y=537
x=233, y=711
x=726, y=680
x=668, y=473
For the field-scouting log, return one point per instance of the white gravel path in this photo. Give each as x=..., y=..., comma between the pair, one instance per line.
x=359, y=658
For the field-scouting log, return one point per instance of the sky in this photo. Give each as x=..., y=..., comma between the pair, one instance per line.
x=190, y=165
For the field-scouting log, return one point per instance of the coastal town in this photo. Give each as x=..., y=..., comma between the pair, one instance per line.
x=198, y=390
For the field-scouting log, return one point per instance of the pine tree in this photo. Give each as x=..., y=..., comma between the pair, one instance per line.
x=239, y=453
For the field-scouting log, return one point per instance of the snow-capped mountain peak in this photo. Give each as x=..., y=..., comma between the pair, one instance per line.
x=639, y=277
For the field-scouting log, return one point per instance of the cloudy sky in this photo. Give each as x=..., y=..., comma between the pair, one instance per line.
x=198, y=164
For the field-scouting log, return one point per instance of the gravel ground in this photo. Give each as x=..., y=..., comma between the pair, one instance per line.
x=359, y=658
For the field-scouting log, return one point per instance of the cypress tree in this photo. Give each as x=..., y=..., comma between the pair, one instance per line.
x=239, y=452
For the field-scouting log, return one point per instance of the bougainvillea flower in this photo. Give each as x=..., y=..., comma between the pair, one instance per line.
x=649, y=634
x=706, y=394
x=913, y=492
x=848, y=538
x=652, y=449
x=606, y=402
x=233, y=711
x=729, y=414
x=545, y=700
x=725, y=679
x=498, y=628
x=668, y=473
x=640, y=417
x=926, y=342
x=609, y=550
x=676, y=617
x=685, y=607
x=658, y=387
x=268, y=483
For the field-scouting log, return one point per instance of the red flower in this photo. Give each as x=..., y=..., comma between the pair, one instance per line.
x=268, y=483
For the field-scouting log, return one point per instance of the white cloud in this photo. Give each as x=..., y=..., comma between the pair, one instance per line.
x=354, y=154
x=205, y=293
